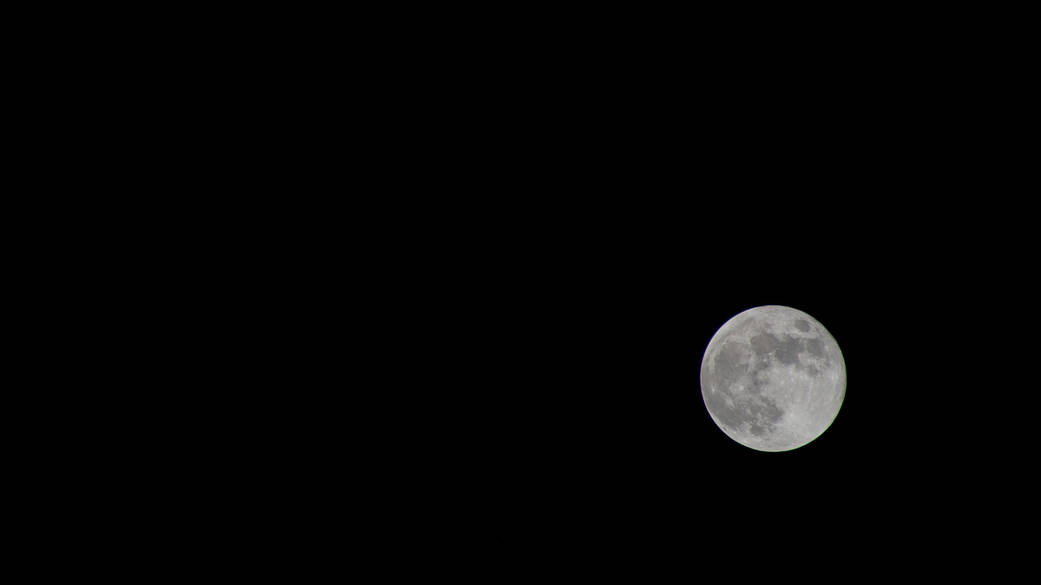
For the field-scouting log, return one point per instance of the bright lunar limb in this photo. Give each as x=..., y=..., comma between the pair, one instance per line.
x=773, y=378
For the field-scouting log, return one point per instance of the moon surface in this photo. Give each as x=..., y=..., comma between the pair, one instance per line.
x=773, y=378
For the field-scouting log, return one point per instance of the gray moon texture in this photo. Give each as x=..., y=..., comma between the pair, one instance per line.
x=773, y=378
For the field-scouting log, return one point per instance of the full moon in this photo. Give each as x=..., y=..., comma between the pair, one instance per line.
x=773, y=378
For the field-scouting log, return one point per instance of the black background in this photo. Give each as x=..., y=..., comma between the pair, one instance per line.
x=472, y=277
